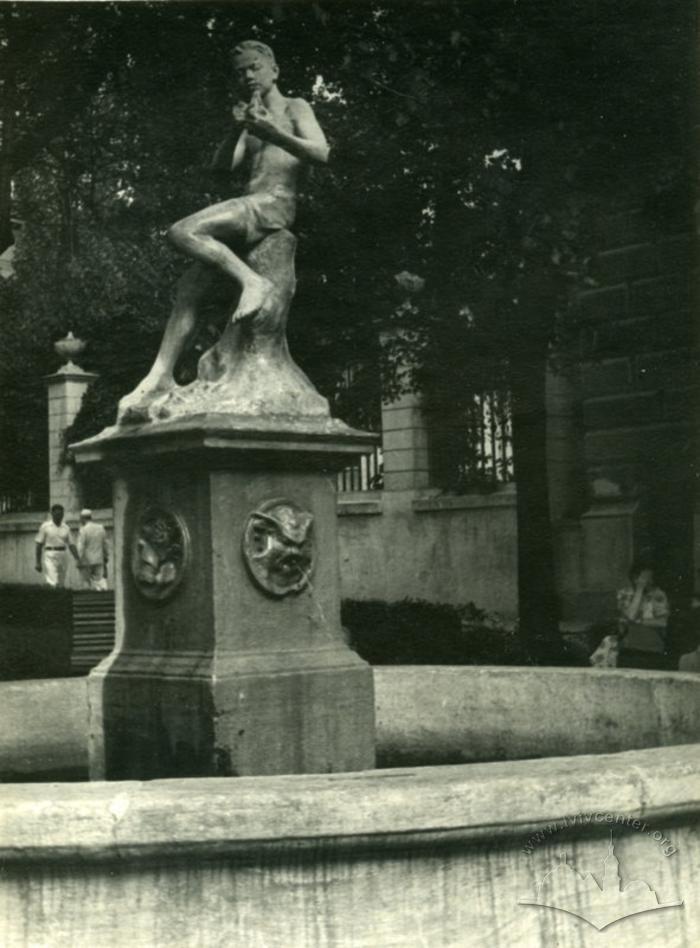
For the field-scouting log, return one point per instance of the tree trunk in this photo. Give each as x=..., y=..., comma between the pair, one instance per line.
x=538, y=600
x=6, y=236
x=7, y=122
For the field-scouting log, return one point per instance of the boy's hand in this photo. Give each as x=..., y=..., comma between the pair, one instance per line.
x=260, y=122
x=239, y=112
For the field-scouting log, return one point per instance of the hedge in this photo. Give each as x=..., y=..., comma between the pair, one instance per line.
x=35, y=632
x=416, y=632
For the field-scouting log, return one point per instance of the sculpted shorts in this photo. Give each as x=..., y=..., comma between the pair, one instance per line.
x=266, y=212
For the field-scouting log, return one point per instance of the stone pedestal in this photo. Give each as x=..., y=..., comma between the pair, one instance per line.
x=230, y=657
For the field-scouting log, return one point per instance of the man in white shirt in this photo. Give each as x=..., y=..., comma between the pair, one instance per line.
x=93, y=551
x=54, y=541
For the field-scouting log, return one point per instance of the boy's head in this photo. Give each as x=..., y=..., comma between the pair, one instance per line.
x=57, y=514
x=254, y=67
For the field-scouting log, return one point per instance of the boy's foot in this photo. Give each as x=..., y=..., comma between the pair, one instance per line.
x=133, y=408
x=254, y=294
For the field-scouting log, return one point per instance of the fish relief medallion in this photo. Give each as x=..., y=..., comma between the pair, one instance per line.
x=278, y=547
x=160, y=552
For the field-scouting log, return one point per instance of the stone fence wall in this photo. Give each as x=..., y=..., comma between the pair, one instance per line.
x=415, y=544
x=393, y=545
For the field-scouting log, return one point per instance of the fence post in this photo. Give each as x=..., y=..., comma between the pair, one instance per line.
x=65, y=390
x=405, y=444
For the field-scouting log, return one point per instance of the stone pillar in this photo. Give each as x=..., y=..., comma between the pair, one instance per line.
x=613, y=532
x=405, y=448
x=405, y=444
x=66, y=389
x=230, y=656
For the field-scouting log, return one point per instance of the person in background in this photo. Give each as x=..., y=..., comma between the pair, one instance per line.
x=643, y=613
x=93, y=551
x=52, y=544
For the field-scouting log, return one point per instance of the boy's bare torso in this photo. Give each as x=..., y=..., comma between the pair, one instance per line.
x=268, y=166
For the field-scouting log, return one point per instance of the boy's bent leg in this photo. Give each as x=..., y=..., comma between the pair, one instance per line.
x=192, y=289
x=203, y=235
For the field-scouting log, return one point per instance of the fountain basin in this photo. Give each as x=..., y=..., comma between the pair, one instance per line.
x=401, y=856
x=425, y=715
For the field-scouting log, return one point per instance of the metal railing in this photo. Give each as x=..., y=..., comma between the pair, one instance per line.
x=367, y=473
x=489, y=426
x=471, y=446
x=25, y=501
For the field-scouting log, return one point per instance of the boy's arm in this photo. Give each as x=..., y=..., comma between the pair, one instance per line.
x=222, y=159
x=309, y=144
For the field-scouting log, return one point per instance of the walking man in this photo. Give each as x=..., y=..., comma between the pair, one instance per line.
x=93, y=551
x=52, y=544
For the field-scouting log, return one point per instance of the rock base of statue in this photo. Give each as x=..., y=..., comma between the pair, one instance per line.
x=249, y=372
x=230, y=657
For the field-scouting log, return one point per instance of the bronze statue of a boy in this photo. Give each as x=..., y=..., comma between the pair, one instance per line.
x=271, y=137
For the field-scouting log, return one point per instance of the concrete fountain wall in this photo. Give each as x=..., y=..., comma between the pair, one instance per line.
x=425, y=715
x=409, y=856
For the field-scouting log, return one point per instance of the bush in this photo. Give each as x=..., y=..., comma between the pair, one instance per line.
x=35, y=632
x=415, y=632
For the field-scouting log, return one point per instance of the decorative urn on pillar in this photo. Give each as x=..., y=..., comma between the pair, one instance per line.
x=69, y=348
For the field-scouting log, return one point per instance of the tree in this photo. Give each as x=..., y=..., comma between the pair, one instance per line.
x=51, y=66
x=474, y=144
x=568, y=120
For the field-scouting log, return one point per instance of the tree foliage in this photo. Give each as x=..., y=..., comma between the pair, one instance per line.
x=475, y=144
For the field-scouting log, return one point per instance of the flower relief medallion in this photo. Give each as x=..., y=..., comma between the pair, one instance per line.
x=160, y=552
x=278, y=546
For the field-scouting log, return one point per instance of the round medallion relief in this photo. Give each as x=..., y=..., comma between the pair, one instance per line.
x=160, y=552
x=278, y=546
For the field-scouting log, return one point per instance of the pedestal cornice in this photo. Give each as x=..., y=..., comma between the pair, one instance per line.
x=328, y=440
